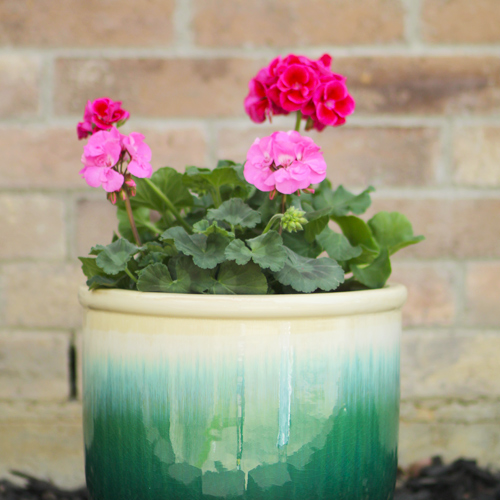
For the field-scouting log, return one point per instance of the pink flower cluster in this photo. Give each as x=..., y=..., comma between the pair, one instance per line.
x=104, y=159
x=101, y=114
x=284, y=162
x=297, y=83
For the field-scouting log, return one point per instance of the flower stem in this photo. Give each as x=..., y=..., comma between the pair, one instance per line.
x=130, y=214
x=283, y=204
x=132, y=277
x=170, y=206
x=298, y=120
x=272, y=220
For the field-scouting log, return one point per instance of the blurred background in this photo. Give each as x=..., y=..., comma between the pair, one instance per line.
x=426, y=134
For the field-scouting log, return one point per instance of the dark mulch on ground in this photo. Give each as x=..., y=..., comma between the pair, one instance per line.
x=426, y=480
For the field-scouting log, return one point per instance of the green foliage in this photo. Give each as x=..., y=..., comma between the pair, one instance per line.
x=234, y=279
x=266, y=250
x=207, y=251
x=236, y=213
x=376, y=274
x=393, y=231
x=210, y=232
x=113, y=258
x=307, y=275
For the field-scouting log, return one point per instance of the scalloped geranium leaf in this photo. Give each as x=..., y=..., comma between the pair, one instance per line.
x=202, y=180
x=188, y=277
x=341, y=201
x=142, y=221
x=393, y=231
x=239, y=252
x=377, y=273
x=97, y=249
x=90, y=268
x=206, y=227
x=298, y=243
x=207, y=251
x=167, y=181
x=314, y=227
x=337, y=246
x=233, y=279
x=307, y=275
x=268, y=251
x=100, y=281
x=113, y=259
x=358, y=233
x=236, y=213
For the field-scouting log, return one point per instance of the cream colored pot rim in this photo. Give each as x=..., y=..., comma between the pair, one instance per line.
x=391, y=297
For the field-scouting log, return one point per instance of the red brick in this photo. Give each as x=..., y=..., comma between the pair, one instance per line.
x=93, y=23
x=441, y=364
x=33, y=226
x=431, y=293
x=423, y=85
x=34, y=365
x=476, y=156
x=482, y=292
x=463, y=228
x=174, y=148
x=297, y=22
x=156, y=87
x=19, y=86
x=358, y=156
x=96, y=221
x=42, y=295
x=461, y=21
x=43, y=158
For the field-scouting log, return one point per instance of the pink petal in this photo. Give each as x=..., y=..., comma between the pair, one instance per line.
x=140, y=169
x=345, y=107
x=111, y=180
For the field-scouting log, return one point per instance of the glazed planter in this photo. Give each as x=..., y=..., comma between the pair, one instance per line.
x=252, y=397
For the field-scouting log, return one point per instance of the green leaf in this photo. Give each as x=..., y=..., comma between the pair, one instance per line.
x=341, y=201
x=266, y=250
x=239, y=252
x=233, y=279
x=236, y=213
x=393, y=231
x=201, y=180
x=205, y=227
x=207, y=251
x=169, y=182
x=157, y=278
x=90, y=268
x=113, y=259
x=97, y=249
x=98, y=281
x=337, y=246
x=307, y=275
x=142, y=219
x=359, y=233
x=377, y=273
x=298, y=243
x=315, y=227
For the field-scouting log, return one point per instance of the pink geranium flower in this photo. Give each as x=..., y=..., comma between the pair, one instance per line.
x=285, y=162
x=100, y=155
x=140, y=153
x=101, y=114
x=297, y=83
x=333, y=103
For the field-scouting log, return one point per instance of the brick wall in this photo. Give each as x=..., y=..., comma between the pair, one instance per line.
x=426, y=134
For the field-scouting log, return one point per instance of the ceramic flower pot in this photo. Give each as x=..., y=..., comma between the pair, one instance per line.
x=254, y=397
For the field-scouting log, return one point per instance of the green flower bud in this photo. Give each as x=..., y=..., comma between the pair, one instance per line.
x=293, y=220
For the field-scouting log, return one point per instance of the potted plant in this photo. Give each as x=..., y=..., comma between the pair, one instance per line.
x=237, y=343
